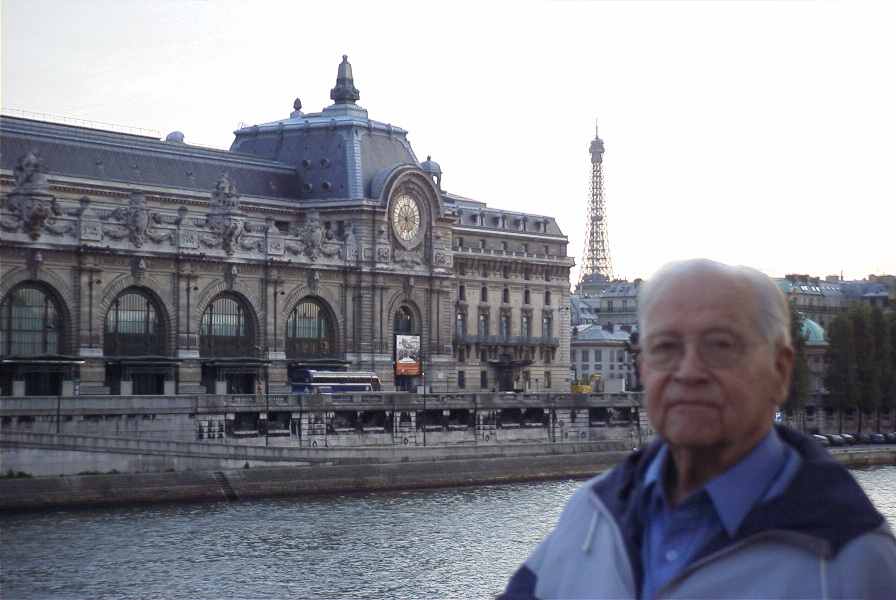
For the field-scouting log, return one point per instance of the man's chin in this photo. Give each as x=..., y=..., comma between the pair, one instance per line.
x=691, y=435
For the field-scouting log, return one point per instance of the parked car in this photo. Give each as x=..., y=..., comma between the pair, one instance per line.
x=849, y=438
x=864, y=437
x=878, y=438
x=891, y=437
x=821, y=439
x=835, y=439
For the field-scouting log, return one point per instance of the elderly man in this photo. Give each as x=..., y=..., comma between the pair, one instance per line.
x=724, y=505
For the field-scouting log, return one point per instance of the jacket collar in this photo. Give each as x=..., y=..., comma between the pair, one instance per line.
x=822, y=501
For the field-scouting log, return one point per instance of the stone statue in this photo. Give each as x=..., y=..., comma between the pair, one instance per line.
x=28, y=173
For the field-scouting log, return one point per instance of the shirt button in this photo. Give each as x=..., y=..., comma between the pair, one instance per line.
x=671, y=555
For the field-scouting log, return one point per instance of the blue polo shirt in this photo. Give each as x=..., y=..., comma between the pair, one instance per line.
x=673, y=536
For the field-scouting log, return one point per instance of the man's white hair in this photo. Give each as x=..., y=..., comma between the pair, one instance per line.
x=773, y=318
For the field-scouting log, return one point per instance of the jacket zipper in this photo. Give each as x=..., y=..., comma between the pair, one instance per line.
x=618, y=540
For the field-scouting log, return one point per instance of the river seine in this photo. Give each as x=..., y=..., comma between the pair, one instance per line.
x=454, y=543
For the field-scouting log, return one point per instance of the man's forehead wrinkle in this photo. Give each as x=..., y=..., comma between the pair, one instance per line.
x=701, y=295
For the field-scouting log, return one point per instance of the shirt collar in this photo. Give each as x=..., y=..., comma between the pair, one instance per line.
x=737, y=490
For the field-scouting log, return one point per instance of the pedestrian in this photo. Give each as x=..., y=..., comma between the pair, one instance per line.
x=724, y=504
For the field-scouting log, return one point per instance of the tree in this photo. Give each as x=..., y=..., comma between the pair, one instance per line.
x=799, y=381
x=881, y=330
x=841, y=377
x=867, y=365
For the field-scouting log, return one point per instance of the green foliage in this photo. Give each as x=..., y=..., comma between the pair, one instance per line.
x=862, y=360
x=884, y=332
x=867, y=367
x=799, y=381
x=841, y=378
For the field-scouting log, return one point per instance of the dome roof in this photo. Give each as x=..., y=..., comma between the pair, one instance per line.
x=813, y=332
x=430, y=166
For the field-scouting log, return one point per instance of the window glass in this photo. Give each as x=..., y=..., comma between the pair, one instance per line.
x=225, y=329
x=309, y=330
x=132, y=326
x=30, y=323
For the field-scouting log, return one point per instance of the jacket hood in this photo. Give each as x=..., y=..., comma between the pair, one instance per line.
x=823, y=500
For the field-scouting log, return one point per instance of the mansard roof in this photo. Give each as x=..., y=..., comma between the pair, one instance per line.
x=336, y=155
x=82, y=152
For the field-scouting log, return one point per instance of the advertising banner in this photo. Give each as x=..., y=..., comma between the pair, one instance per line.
x=407, y=355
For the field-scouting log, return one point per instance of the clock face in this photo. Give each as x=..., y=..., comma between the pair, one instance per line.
x=406, y=218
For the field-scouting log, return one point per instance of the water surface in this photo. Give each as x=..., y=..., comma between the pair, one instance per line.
x=453, y=543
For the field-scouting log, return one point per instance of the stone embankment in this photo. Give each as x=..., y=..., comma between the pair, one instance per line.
x=210, y=472
x=865, y=456
x=215, y=472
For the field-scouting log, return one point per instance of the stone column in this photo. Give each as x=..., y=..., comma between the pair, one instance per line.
x=275, y=342
x=190, y=369
x=89, y=341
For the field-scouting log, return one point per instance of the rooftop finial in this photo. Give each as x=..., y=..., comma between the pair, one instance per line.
x=345, y=91
x=297, y=109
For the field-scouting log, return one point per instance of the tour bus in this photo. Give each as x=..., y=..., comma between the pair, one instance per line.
x=309, y=381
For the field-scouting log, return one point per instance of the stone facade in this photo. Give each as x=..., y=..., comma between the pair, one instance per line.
x=131, y=265
x=601, y=359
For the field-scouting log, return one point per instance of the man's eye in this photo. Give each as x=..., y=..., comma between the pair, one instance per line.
x=664, y=347
x=721, y=344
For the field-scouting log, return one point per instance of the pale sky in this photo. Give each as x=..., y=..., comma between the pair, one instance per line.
x=758, y=133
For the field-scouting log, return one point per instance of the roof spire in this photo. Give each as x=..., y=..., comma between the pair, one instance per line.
x=345, y=91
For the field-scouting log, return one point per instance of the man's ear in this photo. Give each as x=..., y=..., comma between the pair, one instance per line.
x=783, y=368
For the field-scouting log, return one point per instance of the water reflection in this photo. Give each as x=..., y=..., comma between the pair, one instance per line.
x=459, y=543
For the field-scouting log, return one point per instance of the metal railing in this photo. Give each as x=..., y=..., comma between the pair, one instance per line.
x=506, y=340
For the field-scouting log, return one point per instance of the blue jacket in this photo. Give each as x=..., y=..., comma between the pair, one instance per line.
x=821, y=538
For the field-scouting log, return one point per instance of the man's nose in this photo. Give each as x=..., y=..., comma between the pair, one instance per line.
x=691, y=366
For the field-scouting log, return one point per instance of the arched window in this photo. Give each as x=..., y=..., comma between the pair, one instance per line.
x=309, y=330
x=31, y=322
x=133, y=327
x=404, y=321
x=226, y=329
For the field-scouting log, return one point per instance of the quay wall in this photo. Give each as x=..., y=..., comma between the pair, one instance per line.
x=41, y=493
x=53, y=455
x=275, y=472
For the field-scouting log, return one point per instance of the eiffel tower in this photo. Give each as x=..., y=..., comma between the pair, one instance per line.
x=597, y=265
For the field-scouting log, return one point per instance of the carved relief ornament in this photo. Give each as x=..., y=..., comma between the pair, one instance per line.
x=30, y=202
x=134, y=223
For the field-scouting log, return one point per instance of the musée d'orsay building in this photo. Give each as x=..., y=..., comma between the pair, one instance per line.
x=133, y=265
